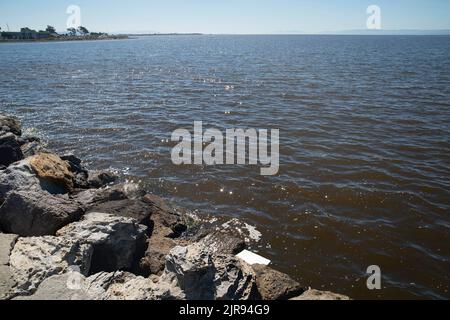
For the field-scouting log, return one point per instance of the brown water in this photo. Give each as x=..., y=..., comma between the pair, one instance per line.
x=364, y=140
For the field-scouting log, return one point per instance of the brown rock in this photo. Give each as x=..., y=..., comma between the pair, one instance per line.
x=274, y=285
x=164, y=216
x=312, y=294
x=154, y=260
x=125, y=208
x=52, y=168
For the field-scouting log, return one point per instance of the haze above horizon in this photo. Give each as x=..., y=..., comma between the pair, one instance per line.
x=229, y=17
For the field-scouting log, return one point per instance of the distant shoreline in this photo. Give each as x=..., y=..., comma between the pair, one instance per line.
x=64, y=39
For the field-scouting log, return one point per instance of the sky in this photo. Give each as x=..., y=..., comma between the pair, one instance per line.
x=226, y=16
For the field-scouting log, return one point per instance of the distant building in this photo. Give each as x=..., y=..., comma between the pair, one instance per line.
x=26, y=35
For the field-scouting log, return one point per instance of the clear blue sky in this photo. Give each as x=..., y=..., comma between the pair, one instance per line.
x=226, y=16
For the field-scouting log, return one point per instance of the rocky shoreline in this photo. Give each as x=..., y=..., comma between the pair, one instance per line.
x=69, y=233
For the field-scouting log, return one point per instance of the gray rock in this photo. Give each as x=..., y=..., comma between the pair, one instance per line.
x=20, y=176
x=118, y=242
x=223, y=242
x=32, y=148
x=36, y=258
x=100, y=242
x=274, y=285
x=10, y=124
x=10, y=150
x=7, y=283
x=7, y=242
x=59, y=287
x=312, y=294
x=37, y=213
x=202, y=275
x=101, y=286
x=99, y=179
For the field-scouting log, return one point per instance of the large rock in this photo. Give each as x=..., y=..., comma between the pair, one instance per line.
x=21, y=176
x=312, y=294
x=34, y=259
x=101, y=286
x=274, y=285
x=30, y=213
x=50, y=167
x=118, y=242
x=201, y=274
x=10, y=150
x=100, y=242
x=10, y=124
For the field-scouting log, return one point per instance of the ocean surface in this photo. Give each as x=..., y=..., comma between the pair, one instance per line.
x=364, y=140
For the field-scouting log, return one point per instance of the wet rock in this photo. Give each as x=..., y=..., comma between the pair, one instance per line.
x=312, y=294
x=7, y=242
x=125, y=208
x=274, y=285
x=99, y=179
x=201, y=275
x=118, y=242
x=36, y=258
x=10, y=150
x=34, y=213
x=51, y=168
x=10, y=124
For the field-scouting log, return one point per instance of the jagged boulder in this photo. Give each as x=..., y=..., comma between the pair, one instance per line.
x=100, y=242
x=37, y=213
x=36, y=258
x=10, y=124
x=10, y=150
x=118, y=242
x=201, y=274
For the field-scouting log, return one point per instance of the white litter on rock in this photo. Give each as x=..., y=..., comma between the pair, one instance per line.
x=252, y=258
